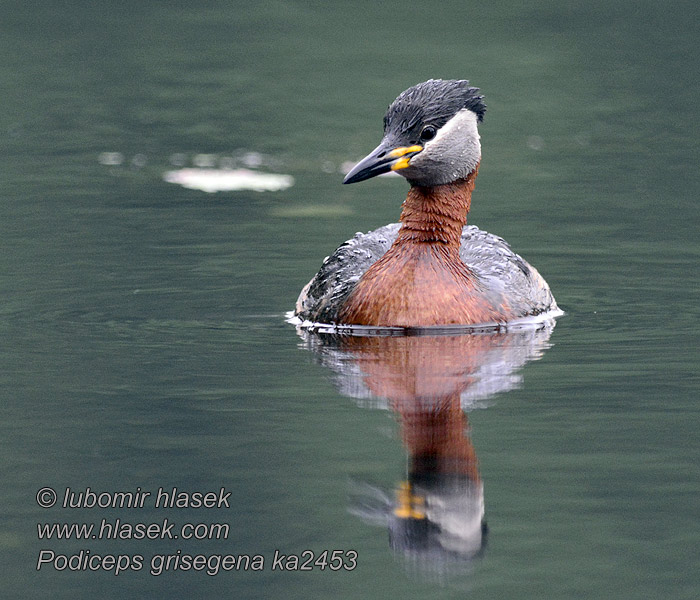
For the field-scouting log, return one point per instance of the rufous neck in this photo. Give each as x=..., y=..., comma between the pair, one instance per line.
x=437, y=214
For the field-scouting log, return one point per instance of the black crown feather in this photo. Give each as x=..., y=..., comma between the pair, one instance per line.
x=434, y=101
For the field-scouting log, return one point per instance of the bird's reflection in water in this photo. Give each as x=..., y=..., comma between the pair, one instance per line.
x=435, y=515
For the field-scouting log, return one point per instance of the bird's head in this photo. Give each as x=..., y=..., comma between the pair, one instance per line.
x=430, y=135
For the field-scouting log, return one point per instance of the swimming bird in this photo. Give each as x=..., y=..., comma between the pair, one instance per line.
x=430, y=269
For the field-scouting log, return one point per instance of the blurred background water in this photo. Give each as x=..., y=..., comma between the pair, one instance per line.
x=144, y=342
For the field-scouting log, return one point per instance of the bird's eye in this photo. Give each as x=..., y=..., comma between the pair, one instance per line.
x=428, y=133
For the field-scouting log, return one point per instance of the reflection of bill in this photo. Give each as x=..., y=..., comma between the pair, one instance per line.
x=435, y=516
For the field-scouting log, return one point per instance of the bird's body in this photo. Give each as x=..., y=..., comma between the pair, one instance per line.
x=430, y=270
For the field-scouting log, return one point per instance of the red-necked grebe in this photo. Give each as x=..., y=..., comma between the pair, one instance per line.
x=430, y=269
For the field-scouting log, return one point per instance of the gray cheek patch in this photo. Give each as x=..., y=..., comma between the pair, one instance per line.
x=451, y=155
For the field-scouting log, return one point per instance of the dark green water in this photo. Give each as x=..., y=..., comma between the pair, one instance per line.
x=144, y=343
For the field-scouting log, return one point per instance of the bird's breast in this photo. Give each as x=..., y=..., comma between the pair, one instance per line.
x=421, y=285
